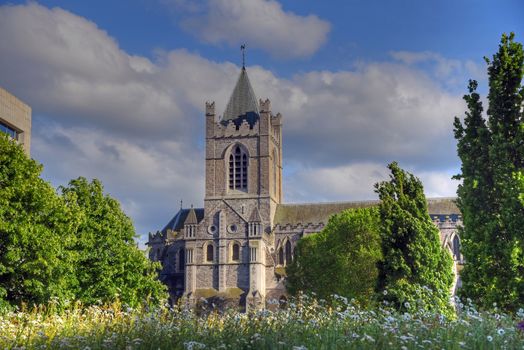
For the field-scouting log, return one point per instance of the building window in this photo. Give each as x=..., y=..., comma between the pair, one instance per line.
x=209, y=252
x=190, y=231
x=235, y=253
x=253, y=254
x=189, y=256
x=456, y=247
x=181, y=260
x=281, y=256
x=254, y=229
x=289, y=255
x=238, y=169
x=9, y=131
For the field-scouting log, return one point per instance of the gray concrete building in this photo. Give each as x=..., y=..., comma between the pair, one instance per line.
x=237, y=247
x=15, y=119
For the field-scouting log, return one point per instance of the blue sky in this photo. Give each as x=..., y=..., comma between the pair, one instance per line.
x=118, y=88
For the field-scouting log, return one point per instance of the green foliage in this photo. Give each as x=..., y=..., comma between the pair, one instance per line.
x=75, y=246
x=341, y=259
x=413, y=258
x=35, y=232
x=492, y=189
x=109, y=264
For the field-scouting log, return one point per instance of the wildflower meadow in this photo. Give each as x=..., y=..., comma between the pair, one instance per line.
x=304, y=323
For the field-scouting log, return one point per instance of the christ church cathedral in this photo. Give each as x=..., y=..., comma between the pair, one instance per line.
x=237, y=247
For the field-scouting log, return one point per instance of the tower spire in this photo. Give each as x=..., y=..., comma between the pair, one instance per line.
x=243, y=49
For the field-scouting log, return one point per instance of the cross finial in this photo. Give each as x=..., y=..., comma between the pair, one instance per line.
x=243, y=49
x=181, y=202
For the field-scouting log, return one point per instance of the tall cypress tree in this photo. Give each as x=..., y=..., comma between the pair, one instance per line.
x=415, y=268
x=474, y=193
x=491, y=197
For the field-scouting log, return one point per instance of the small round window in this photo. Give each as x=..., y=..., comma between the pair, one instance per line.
x=233, y=228
x=212, y=229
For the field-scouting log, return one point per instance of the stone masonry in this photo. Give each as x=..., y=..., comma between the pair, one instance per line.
x=15, y=119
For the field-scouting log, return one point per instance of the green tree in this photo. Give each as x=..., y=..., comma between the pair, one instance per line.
x=109, y=265
x=492, y=189
x=36, y=261
x=414, y=268
x=341, y=259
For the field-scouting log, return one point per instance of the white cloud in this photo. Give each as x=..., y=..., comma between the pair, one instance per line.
x=262, y=24
x=137, y=123
x=149, y=179
x=452, y=72
x=356, y=182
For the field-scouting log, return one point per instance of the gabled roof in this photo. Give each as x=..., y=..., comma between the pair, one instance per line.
x=255, y=216
x=191, y=218
x=243, y=102
x=316, y=213
x=177, y=221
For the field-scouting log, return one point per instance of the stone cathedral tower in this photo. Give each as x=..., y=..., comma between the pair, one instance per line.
x=243, y=189
x=236, y=249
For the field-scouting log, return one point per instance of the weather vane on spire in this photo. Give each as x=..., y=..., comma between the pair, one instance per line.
x=243, y=49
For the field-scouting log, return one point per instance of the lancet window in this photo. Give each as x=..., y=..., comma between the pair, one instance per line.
x=235, y=254
x=238, y=169
x=289, y=255
x=209, y=252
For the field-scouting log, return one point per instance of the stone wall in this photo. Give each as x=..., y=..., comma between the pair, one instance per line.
x=17, y=115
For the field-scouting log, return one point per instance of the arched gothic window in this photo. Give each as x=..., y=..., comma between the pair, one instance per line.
x=456, y=247
x=281, y=256
x=238, y=169
x=289, y=256
x=209, y=253
x=235, y=254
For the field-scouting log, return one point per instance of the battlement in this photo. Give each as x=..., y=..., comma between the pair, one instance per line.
x=232, y=130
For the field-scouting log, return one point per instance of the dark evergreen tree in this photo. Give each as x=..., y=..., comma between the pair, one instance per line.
x=341, y=259
x=415, y=269
x=491, y=197
x=474, y=193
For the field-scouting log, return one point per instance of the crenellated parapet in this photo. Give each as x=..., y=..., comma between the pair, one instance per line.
x=231, y=130
x=298, y=228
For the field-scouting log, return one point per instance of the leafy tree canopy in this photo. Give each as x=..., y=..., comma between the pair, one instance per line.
x=341, y=259
x=76, y=245
x=109, y=263
x=36, y=257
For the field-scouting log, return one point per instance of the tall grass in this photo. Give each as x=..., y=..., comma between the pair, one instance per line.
x=303, y=324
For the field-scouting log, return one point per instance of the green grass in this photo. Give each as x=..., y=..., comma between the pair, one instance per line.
x=304, y=324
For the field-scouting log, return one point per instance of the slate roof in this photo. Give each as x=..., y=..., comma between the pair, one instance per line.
x=177, y=222
x=316, y=213
x=242, y=103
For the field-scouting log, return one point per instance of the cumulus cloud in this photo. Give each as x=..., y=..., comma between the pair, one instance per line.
x=262, y=24
x=453, y=72
x=380, y=112
x=356, y=182
x=137, y=123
